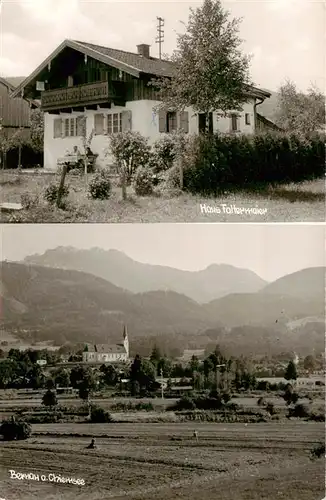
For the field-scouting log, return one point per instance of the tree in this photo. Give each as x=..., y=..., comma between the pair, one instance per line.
x=109, y=375
x=298, y=112
x=142, y=372
x=291, y=371
x=50, y=399
x=309, y=363
x=62, y=378
x=37, y=129
x=155, y=355
x=211, y=73
x=164, y=366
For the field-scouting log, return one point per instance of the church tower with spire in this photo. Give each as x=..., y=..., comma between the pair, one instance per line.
x=126, y=340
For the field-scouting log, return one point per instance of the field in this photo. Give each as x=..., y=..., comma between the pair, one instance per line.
x=293, y=203
x=265, y=461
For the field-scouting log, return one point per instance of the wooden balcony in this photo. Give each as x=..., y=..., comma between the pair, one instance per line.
x=80, y=95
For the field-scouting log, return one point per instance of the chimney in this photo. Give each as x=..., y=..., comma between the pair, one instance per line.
x=143, y=50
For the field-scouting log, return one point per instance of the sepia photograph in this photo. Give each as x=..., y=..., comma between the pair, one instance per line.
x=160, y=111
x=152, y=361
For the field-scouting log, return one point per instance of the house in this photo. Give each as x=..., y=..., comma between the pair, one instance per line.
x=313, y=382
x=83, y=86
x=14, y=113
x=106, y=353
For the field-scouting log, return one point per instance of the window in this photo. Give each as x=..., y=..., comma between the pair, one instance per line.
x=234, y=122
x=247, y=118
x=57, y=128
x=114, y=123
x=171, y=121
x=70, y=127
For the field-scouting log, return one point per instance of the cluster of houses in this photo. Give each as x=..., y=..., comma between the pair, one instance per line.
x=83, y=87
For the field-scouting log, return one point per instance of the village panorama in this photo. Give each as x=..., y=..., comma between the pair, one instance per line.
x=174, y=364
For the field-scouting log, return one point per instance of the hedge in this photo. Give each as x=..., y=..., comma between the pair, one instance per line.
x=218, y=163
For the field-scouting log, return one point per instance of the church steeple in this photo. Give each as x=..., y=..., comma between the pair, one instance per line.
x=126, y=340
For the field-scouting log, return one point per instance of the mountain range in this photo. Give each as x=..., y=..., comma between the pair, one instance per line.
x=217, y=280
x=51, y=303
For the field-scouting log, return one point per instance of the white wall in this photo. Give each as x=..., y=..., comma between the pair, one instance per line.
x=144, y=120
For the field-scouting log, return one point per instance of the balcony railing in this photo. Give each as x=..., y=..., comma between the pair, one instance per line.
x=78, y=95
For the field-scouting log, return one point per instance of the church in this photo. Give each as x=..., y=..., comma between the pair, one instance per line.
x=107, y=353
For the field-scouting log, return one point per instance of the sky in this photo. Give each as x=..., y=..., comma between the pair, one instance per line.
x=286, y=38
x=270, y=250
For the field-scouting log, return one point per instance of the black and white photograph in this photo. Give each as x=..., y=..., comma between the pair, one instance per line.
x=161, y=111
x=150, y=361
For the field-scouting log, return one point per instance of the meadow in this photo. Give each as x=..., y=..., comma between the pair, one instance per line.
x=304, y=202
x=264, y=461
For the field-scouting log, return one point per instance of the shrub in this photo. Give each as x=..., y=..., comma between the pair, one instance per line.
x=51, y=193
x=166, y=149
x=12, y=429
x=143, y=182
x=299, y=411
x=318, y=451
x=29, y=201
x=131, y=148
x=185, y=403
x=100, y=186
x=270, y=408
x=218, y=163
x=100, y=416
x=170, y=180
x=261, y=402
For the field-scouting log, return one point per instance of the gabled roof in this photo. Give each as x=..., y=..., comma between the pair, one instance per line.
x=268, y=122
x=12, y=82
x=141, y=64
x=130, y=62
x=107, y=348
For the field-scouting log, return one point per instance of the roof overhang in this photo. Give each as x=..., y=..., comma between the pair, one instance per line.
x=79, y=47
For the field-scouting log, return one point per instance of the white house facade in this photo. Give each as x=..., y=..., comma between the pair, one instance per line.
x=85, y=87
x=107, y=353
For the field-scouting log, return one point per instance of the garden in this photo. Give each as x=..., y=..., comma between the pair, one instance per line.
x=181, y=178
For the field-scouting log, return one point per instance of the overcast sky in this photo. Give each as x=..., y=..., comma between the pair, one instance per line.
x=286, y=37
x=269, y=250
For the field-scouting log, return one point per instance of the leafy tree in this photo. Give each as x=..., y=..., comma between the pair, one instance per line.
x=155, y=356
x=211, y=73
x=37, y=129
x=50, y=398
x=291, y=371
x=164, y=365
x=62, y=377
x=109, y=375
x=298, y=112
x=36, y=377
x=194, y=364
x=309, y=363
x=142, y=372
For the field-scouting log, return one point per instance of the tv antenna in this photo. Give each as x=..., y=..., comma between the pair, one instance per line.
x=160, y=36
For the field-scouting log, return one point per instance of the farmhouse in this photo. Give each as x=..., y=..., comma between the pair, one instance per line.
x=85, y=87
x=15, y=115
x=106, y=353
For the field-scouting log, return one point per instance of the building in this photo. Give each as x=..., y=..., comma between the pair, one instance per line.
x=85, y=87
x=313, y=382
x=14, y=113
x=107, y=353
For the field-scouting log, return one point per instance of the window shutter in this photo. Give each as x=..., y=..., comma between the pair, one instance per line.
x=126, y=120
x=81, y=125
x=184, y=121
x=57, y=128
x=99, y=124
x=162, y=121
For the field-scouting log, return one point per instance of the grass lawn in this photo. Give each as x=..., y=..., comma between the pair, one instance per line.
x=265, y=461
x=291, y=203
